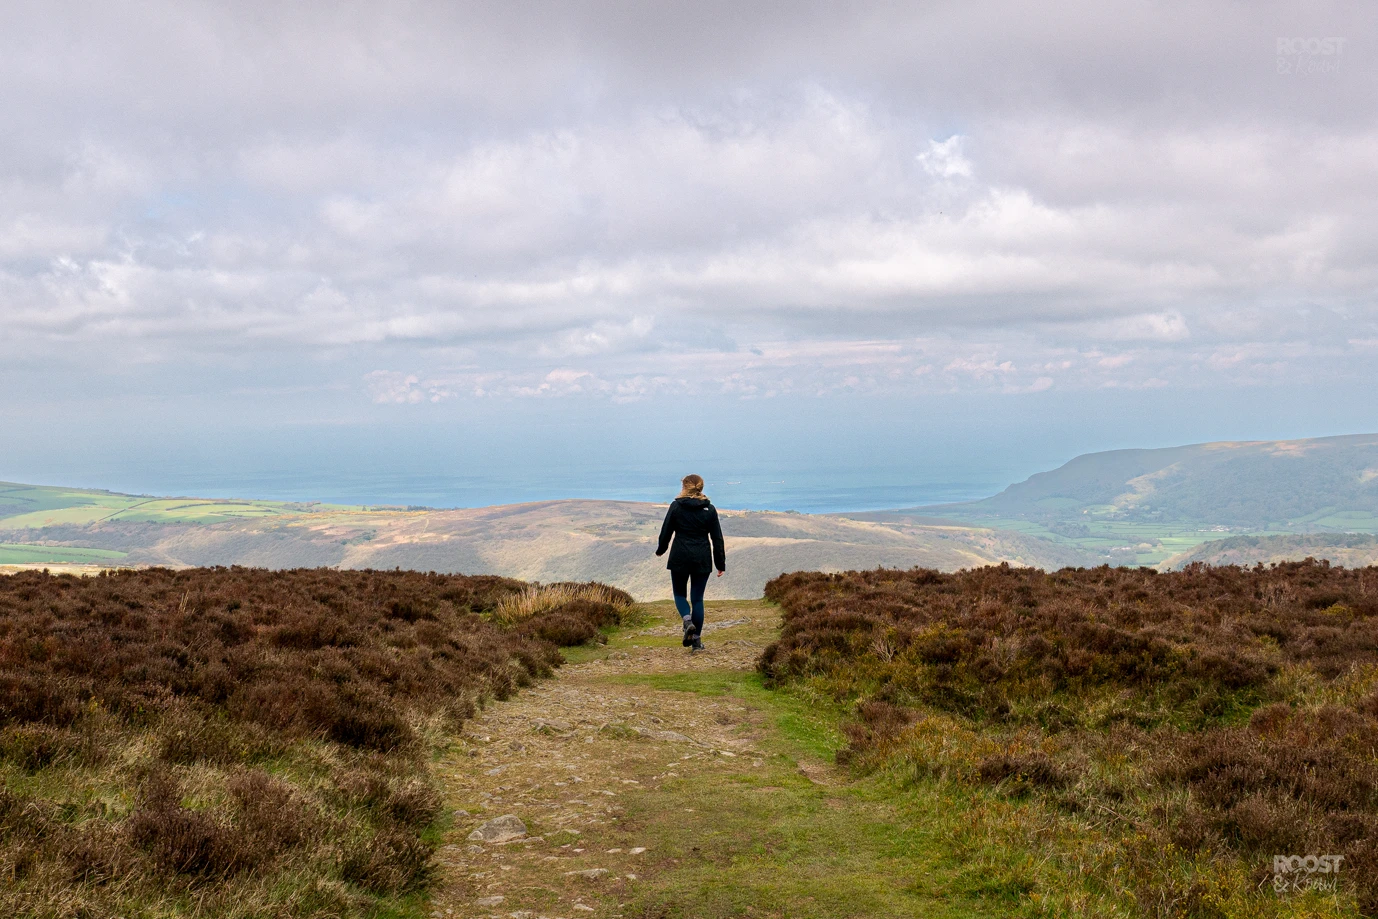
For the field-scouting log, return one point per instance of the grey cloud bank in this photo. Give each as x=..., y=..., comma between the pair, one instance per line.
x=262, y=216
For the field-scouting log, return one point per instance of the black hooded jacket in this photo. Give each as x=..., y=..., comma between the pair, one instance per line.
x=693, y=522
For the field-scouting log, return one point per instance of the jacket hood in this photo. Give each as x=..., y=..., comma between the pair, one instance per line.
x=693, y=502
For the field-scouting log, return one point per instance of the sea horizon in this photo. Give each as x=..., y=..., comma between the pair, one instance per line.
x=827, y=492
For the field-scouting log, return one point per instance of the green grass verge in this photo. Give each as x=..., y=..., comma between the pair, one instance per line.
x=768, y=841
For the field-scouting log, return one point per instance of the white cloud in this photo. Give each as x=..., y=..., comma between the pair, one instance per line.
x=1157, y=327
x=945, y=160
x=499, y=195
x=1038, y=385
x=391, y=387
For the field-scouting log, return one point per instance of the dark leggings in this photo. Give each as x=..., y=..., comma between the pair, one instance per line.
x=678, y=581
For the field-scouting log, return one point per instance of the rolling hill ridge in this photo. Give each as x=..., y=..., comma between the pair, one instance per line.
x=1161, y=507
x=1326, y=483
x=1154, y=507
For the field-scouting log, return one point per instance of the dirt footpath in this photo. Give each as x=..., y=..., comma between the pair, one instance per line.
x=567, y=757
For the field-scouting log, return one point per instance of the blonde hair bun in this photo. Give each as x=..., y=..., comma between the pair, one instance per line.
x=692, y=487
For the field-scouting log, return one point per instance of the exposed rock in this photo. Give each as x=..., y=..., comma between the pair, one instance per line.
x=550, y=726
x=673, y=737
x=500, y=829
x=591, y=874
x=489, y=901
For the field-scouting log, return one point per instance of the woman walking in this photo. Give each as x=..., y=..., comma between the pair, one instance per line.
x=693, y=521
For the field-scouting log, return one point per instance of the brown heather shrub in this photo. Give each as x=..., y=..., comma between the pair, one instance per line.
x=37, y=746
x=184, y=841
x=413, y=804
x=1228, y=712
x=337, y=654
x=254, y=739
x=1023, y=771
x=96, y=853
x=269, y=815
x=1001, y=643
x=390, y=861
x=565, y=614
x=560, y=627
x=189, y=737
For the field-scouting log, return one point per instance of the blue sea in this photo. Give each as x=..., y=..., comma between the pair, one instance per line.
x=774, y=460
x=809, y=493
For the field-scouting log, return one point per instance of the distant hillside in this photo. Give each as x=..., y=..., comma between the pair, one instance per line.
x=1327, y=483
x=611, y=541
x=1146, y=507
x=1352, y=550
x=1123, y=507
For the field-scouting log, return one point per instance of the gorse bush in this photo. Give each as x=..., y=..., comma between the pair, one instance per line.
x=1217, y=716
x=254, y=742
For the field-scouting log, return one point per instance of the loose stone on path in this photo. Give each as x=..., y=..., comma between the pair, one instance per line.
x=591, y=874
x=500, y=829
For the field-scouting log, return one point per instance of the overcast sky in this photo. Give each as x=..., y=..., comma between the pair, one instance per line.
x=260, y=217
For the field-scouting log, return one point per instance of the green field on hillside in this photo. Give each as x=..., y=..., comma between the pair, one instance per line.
x=20, y=554
x=1132, y=542
x=1123, y=541
x=31, y=506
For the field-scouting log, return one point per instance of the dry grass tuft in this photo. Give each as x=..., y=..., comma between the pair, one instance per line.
x=541, y=599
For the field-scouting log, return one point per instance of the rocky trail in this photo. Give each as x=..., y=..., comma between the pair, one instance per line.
x=545, y=786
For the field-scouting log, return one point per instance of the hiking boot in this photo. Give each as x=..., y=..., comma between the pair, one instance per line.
x=689, y=634
x=697, y=645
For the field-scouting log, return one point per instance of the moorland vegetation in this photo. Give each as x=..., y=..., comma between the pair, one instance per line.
x=243, y=742
x=1170, y=734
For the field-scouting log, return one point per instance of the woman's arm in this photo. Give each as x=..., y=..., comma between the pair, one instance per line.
x=719, y=549
x=667, y=529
